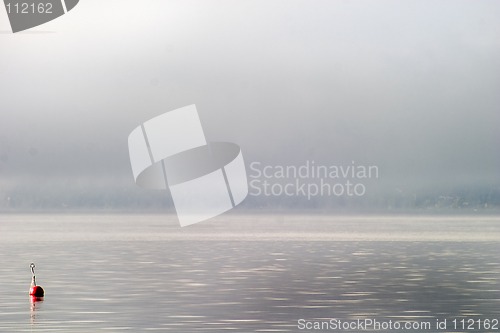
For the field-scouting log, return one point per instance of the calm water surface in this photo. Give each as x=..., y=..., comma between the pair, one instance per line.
x=137, y=273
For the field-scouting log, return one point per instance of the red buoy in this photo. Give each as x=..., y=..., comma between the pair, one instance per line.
x=35, y=291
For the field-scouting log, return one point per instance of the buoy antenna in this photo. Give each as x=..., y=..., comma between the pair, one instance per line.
x=33, y=281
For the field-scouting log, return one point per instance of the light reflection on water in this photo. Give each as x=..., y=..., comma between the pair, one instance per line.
x=245, y=286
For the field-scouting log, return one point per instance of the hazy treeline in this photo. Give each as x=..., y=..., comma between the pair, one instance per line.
x=473, y=199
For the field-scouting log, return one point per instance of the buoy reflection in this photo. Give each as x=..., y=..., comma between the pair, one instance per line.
x=35, y=304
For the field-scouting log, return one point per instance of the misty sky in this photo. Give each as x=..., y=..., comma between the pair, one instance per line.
x=410, y=86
